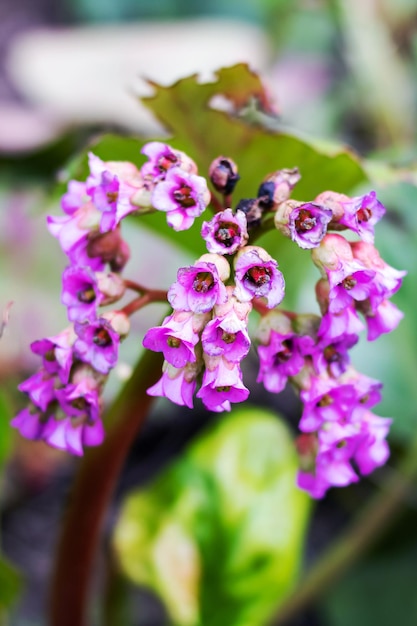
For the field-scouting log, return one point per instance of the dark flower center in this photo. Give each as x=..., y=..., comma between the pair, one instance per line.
x=173, y=342
x=203, y=282
x=166, y=161
x=331, y=354
x=183, y=196
x=226, y=233
x=102, y=338
x=224, y=388
x=228, y=337
x=285, y=353
x=364, y=214
x=80, y=403
x=305, y=221
x=349, y=282
x=258, y=275
x=112, y=196
x=86, y=296
x=326, y=400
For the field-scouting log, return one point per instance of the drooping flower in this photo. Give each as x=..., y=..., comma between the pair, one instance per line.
x=175, y=338
x=110, y=191
x=222, y=384
x=97, y=343
x=176, y=384
x=361, y=214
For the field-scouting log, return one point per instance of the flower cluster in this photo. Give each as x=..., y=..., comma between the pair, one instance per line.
x=206, y=336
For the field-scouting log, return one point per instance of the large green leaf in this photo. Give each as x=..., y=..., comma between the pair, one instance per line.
x=219, y=534
x=204, y=133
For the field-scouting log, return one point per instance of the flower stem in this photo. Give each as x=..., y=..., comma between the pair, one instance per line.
x=365, y=530
x=151, y=295
x=91, y=494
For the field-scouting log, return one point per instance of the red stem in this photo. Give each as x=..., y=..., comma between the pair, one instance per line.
x=91, y=494
x=151, y=295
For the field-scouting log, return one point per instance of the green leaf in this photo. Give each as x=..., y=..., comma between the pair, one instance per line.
x=205, y=133
x=219, y=534
x=6, y=414
x=380, y=591
x=9, y=584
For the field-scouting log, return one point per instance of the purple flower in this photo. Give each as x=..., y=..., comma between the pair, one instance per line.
x=383, y=319
x=40, y=388
x=198, y=288
x=80, y=294
x=373, y=450
x=257, y=276
x=162, y=158
x=228, y=337
x=97, y=344
x=308, y=224
x=178, y=385
x=281, y=358
x=71, y=230
x=57, y=353
x=226, y=232
x=335, y=325
x=327, y=400
x=182, y=196
x=31, y=424
x=221, y=386
x=349, y=283
x=109, y=192
x=176, y=339
x=332, y=356
x=74, y=198
x=361, y=214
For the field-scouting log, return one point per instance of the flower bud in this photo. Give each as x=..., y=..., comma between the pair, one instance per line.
x=119, y=321
x=110, y=248
x=282, y=216
x=223, y=175
x=111, y=285
x=332, y=250
x=306, y=324
x=275, y=320
x=335, y=202
x=253, y=210
x=277, y=187
x=220, y=262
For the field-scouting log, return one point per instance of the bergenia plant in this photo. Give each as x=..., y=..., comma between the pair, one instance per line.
x=206, y=336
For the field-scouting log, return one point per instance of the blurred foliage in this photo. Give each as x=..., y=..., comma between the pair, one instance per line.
x=219, y=534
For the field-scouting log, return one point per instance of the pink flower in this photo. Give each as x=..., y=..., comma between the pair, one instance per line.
x=221, y=386
x=182, y=196
x=176, y=339
x=257, y=276
x=226, y=232
x=361, y=214
x=176, y=384
x=308, y=224
x=198, y=288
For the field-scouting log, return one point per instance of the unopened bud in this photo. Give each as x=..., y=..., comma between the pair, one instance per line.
x=119, y=321
x=110, y=248
x=335, y=202
x=223, y=175
x=307, y=447
x=111, y=286
x=282, y=215
x=253, y=210
x=277, y=187
x=220, y=262
x=276, y=321
x=332, y=250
